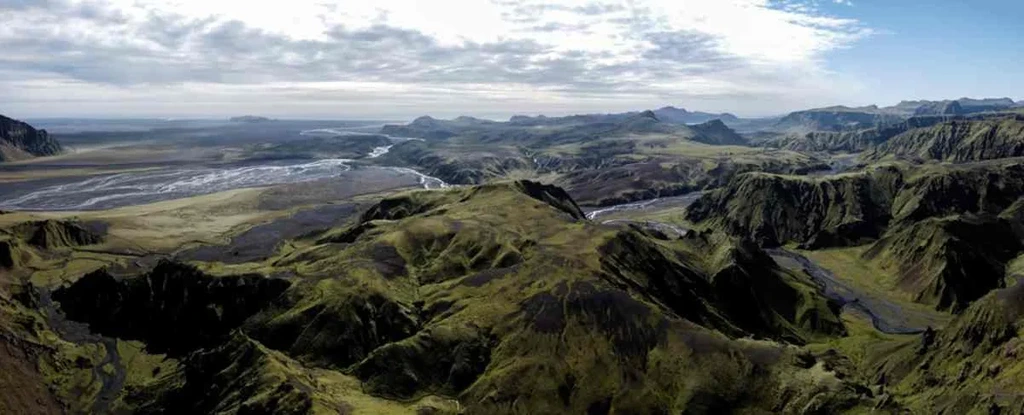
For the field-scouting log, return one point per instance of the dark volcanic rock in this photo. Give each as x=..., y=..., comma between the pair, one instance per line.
x=18, y=140
x=9, y=255
x=552, y=195
x=174, y=308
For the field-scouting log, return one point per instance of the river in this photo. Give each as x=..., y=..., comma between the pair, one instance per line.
x=885, y=315
x=109, y=191
x=681, y=201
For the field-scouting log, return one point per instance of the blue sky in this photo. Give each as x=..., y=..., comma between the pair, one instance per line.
x=493, y=58
x=935, y=49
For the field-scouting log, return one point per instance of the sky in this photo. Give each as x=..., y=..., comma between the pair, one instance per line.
x=398, y=59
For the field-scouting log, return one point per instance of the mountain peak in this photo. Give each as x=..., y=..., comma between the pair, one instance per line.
x=249, y=119
x=424, y=120
x=674, y=109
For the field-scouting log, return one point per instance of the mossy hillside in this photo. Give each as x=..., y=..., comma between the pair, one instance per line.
x=855, y=141
x=948, y=262
x=903, y=210
x=442, y=295
x=773, y=210
x=713, y=280
x=941, y=190
x=60, y=367
x=511, y=313
x=51, y=234
x=970, y=366
x=960, y=140
x=12, y=254
x=243, y=376
x=421, y=305
x=660, y=175
x=30, y=244
x=849, y=208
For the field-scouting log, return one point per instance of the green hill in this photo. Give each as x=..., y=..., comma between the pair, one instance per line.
x=491, y=299
x=935, y=226
x=973, y=139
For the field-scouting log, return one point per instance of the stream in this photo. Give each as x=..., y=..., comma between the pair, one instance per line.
x=111, y=384
x=682, y=201
x=886, y=316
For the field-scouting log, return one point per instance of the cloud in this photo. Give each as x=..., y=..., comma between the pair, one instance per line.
x=611, y=51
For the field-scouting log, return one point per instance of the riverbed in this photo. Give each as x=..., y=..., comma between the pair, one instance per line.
x=160, y=183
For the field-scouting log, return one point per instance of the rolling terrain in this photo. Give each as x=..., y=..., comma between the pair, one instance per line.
x=836, y=260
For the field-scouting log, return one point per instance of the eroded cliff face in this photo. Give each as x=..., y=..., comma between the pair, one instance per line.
x=851, y=141
x=19, y=140
x=958, y=140
x=948, y=231
x=773, y=210
x=54, y=234
x=174, y=308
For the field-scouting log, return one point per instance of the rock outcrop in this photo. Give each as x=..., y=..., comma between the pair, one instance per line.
x=19, y=140
x=174, y=308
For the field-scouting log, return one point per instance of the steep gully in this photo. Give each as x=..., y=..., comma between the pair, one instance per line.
x=111, y=384
x=885, y=316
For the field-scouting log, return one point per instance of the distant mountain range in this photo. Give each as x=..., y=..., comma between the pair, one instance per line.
x=842, y=118
x=574, y=128
x=666, y=114
x=19, y=140
x=249, y=119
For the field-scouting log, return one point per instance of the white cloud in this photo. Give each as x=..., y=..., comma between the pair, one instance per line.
x=759, y=54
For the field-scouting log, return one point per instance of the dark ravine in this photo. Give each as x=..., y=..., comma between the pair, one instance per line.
x=111, y=385
x=174, y=308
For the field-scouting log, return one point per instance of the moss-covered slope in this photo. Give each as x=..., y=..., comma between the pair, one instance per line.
x=490, y=299
x=830, y=211
x=972, y=366
x=934, y=226
x=949, y=262
x=960, y=140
